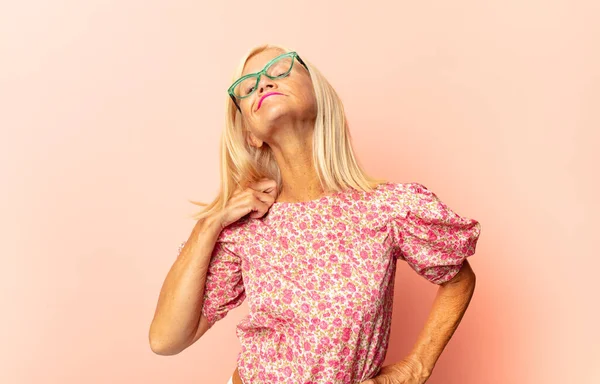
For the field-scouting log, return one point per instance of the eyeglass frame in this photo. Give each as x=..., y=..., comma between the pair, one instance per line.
x=264, y=72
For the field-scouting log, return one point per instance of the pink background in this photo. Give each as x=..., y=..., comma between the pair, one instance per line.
x=110, y=116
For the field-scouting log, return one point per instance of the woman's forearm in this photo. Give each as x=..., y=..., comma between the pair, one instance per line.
x=180, y=301
x=448, y=308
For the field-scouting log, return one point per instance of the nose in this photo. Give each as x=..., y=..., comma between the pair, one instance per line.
x=265, y=85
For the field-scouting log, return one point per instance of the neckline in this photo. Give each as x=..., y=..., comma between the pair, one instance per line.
x=323, y=199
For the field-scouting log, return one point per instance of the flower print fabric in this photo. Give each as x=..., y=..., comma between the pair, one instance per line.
x=224, y=285
x=319, y=279
x=429, y=236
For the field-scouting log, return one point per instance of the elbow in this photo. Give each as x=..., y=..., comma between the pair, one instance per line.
x=160, y=347
x=156, y=345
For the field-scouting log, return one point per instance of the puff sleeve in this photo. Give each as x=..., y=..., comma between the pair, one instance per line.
x=429, y=236
x=224, y=288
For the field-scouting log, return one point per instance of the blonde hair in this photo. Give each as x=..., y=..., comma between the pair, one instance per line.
x=333, y=156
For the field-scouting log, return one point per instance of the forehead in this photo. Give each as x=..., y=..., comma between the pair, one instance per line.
x=257, y=62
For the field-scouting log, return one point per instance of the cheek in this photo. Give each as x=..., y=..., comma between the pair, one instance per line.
x=301, y=91
x=247, y=110
x=307, y=95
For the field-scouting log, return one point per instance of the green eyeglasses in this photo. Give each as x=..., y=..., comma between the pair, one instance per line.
x=275, y=69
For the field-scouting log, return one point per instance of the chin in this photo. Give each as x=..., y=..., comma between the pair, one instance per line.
x=274, y=110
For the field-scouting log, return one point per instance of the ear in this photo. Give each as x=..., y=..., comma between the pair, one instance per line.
x=253, y=140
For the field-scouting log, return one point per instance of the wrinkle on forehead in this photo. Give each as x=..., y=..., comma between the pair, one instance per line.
x=273, y=53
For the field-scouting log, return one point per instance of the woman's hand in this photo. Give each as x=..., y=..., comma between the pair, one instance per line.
x=254, y=200
x=407, y=371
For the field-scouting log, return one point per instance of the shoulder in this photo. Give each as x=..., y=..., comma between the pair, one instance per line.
x=234, y=232
x=395, y=192
x=400, y=198
x=398, y=187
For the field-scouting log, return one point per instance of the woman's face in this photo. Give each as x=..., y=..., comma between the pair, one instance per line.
x=294, y=104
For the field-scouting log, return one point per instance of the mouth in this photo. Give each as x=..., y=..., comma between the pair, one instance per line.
x=265, y=96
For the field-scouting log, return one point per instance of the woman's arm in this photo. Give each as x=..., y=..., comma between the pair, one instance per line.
x=178, y=321
x=449, y=306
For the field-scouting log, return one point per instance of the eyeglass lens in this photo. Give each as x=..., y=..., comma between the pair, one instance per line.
x=280, y=68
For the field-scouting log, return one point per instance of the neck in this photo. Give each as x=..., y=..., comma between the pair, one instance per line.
x=299, y=190
x=292, y=148
x=299, y=178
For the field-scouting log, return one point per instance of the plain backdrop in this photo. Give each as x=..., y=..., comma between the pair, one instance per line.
x=110, y=117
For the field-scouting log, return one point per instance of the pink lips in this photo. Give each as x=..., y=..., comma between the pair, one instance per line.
x=265, y=95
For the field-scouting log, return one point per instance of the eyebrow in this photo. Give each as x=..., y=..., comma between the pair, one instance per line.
x=255, y=72
x=261, y=68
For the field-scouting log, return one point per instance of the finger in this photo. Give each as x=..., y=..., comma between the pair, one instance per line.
x=259, y=185
x=266, y=198
x=258, y=208
x=265, y=185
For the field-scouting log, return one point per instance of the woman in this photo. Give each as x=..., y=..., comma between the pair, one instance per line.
x=302, y=232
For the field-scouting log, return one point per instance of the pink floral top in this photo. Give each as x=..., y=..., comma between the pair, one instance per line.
x=319, y=278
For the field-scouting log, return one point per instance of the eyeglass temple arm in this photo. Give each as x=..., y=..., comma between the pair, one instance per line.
x=235, y=102
x=302, y=62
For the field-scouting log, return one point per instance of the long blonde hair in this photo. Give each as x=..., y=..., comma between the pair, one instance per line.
x=333, y=156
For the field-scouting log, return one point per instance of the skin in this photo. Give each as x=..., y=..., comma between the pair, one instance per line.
x=286, y=124
x=449, y=306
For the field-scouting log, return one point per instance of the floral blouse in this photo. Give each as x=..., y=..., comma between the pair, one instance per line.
x=319, y=278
